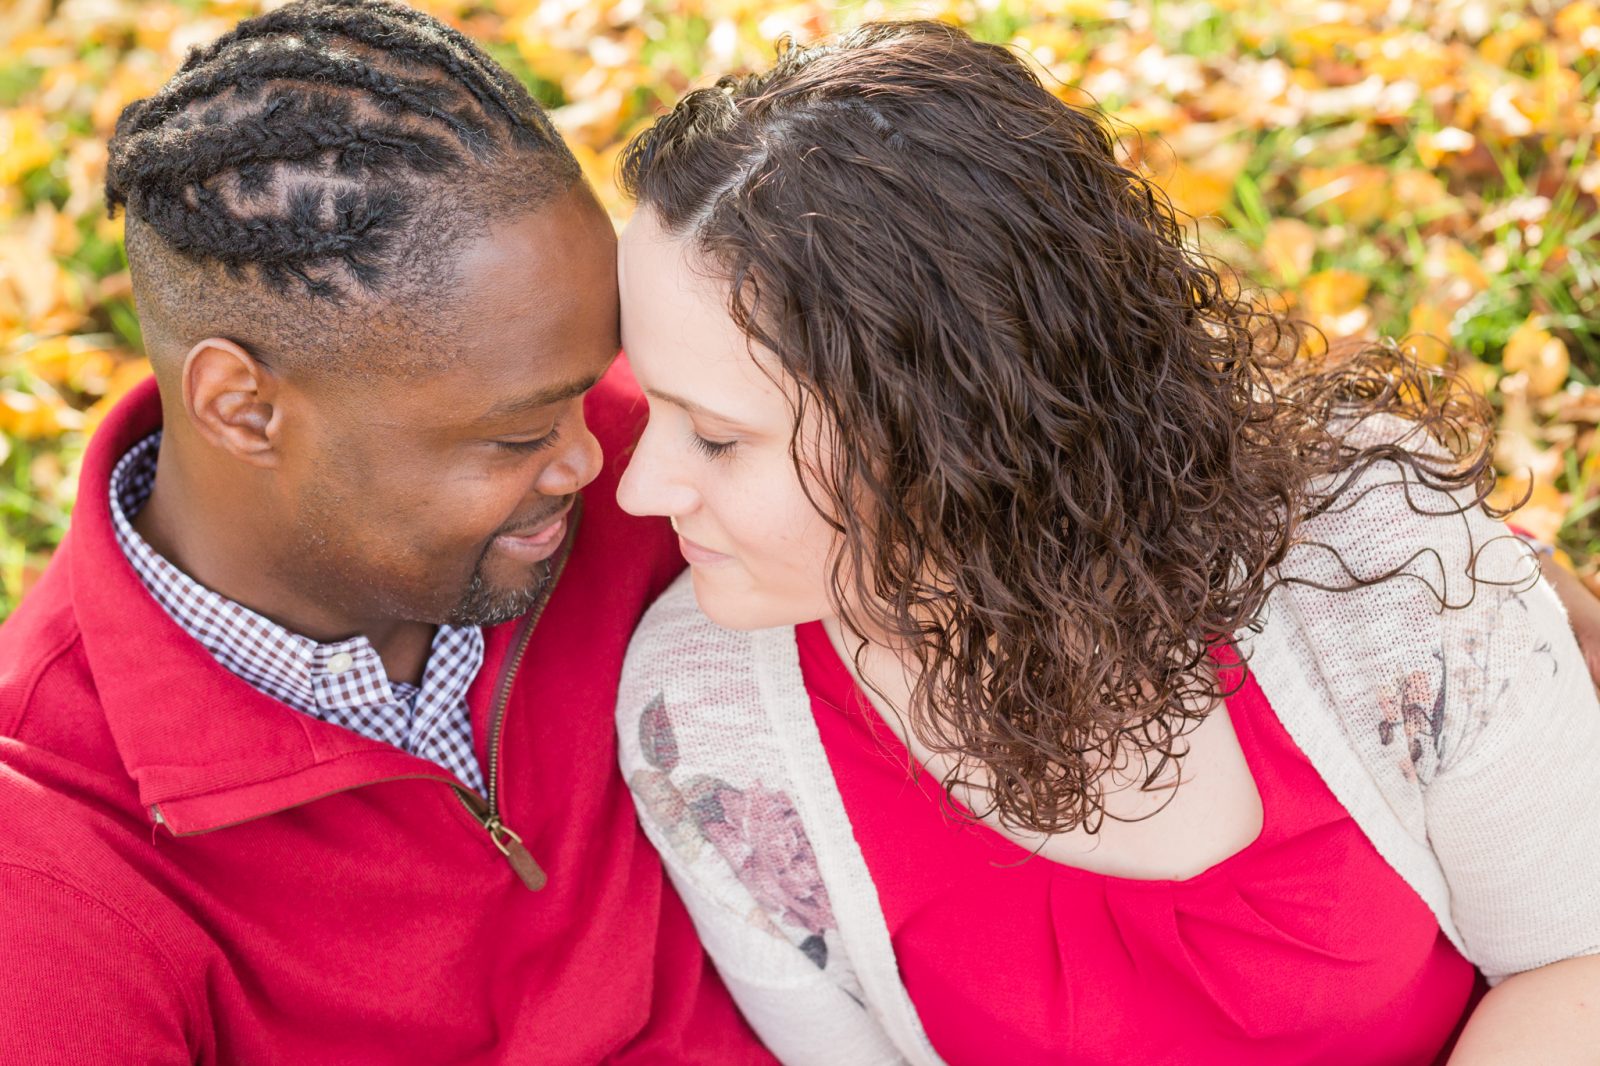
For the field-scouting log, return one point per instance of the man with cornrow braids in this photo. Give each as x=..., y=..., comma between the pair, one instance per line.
x=305, y=735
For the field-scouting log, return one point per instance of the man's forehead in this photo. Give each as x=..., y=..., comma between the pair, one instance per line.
x=547, y=242
x=530, y=319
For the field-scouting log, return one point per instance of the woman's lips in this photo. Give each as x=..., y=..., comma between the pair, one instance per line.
x=538, y=546
x=699, y=554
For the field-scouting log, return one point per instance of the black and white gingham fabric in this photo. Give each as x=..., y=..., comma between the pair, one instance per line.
x=343, y=683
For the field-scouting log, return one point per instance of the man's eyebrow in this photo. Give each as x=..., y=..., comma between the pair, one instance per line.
x=543, y=398
x=690, y=406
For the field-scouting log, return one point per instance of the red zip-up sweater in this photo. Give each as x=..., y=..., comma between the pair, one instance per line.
x=191, y=871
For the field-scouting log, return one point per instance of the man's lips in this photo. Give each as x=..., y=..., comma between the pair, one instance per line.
x=537, y=544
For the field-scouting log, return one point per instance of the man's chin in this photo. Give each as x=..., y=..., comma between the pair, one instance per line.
x=486, y=603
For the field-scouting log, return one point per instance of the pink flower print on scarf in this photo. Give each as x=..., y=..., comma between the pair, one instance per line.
x=756, y=830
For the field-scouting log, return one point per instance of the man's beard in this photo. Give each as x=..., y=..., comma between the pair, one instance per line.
x=484, y=605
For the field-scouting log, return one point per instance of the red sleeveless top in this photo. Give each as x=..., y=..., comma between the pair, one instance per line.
x=1303, y=947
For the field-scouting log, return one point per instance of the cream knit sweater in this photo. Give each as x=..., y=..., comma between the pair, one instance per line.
x=1465, y=743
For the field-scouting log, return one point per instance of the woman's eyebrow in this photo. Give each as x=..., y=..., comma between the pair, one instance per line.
x=692, y=407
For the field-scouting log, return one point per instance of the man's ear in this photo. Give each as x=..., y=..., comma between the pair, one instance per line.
x=230, y=397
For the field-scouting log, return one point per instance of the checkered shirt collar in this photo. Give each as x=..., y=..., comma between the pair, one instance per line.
x=343, y=683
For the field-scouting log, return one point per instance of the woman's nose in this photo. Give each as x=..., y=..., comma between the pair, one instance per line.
x=649, y=486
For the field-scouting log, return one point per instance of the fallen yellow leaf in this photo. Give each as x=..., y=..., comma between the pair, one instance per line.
x=1544, y=511
x=1579, y=24
x=1498, y=48
x=25, y=144
x=126, y=375
x=1481, y=377
x=1333, y=292
x=1430, y=318
x=1434, y=147
x=1360, y=192
x=78, y=362
x=1418, y=189
x=1539, y=355
x=1203, y=186
x=1428, y=334
x=1288, y=248
x=29, y=417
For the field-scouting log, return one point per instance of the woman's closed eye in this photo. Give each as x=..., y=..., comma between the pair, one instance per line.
x=713, y=449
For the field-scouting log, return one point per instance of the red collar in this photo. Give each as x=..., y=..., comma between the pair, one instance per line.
x=204, y=747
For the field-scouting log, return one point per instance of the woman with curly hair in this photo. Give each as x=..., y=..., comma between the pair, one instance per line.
x=1066, y=671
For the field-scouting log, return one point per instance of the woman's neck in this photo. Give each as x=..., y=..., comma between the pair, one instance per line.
x=1127, y=844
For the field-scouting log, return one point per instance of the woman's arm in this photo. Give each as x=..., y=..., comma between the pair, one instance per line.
x=1513, y=816
x=1583, y=611
x=1550, y=1016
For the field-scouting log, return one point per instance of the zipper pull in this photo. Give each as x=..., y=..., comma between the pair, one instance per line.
x=522, y=861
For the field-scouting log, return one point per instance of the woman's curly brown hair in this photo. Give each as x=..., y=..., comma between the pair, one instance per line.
x=1069, y=454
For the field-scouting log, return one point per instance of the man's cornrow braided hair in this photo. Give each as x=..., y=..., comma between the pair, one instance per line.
x=304, y=139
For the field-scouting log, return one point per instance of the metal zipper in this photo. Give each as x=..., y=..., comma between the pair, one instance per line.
x=505, y=839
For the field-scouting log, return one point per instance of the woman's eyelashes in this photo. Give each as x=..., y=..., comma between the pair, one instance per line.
x=712, y=449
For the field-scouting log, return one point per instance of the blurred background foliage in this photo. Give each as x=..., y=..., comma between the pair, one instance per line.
x=1408, y=168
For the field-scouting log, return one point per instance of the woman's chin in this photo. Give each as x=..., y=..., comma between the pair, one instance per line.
x=737, y=605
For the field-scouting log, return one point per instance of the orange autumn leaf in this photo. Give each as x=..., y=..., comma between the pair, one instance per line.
x=1331, y=300
x=27, y=416
x=1481, y=376
x=1428, y=334
x=1579, y=24
x=129, y=82
x=25, y=143
x=1323, y=39
x=1418, y=189
x=1436, y=146
x=123, y=378
x=1203, y=186
x=1498, y=48
x=1360, y=193
x=1288, y=248
x=1333, y=292
x=80, y=363
x=1544, y=507
x=1430, y=318
x=1538, y=355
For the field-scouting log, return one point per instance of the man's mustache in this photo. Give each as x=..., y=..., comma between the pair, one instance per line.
x=522, y=527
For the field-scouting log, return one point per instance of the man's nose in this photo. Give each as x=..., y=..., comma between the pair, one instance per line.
x=577, y=464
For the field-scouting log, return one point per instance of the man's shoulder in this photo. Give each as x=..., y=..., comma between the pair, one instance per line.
x=85, y=923
x=39, y=644
x=64, y=824
x=77, y=839
x=65, y=795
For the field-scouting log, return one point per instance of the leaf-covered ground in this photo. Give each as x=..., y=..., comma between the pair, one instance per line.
x=1392, y=167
